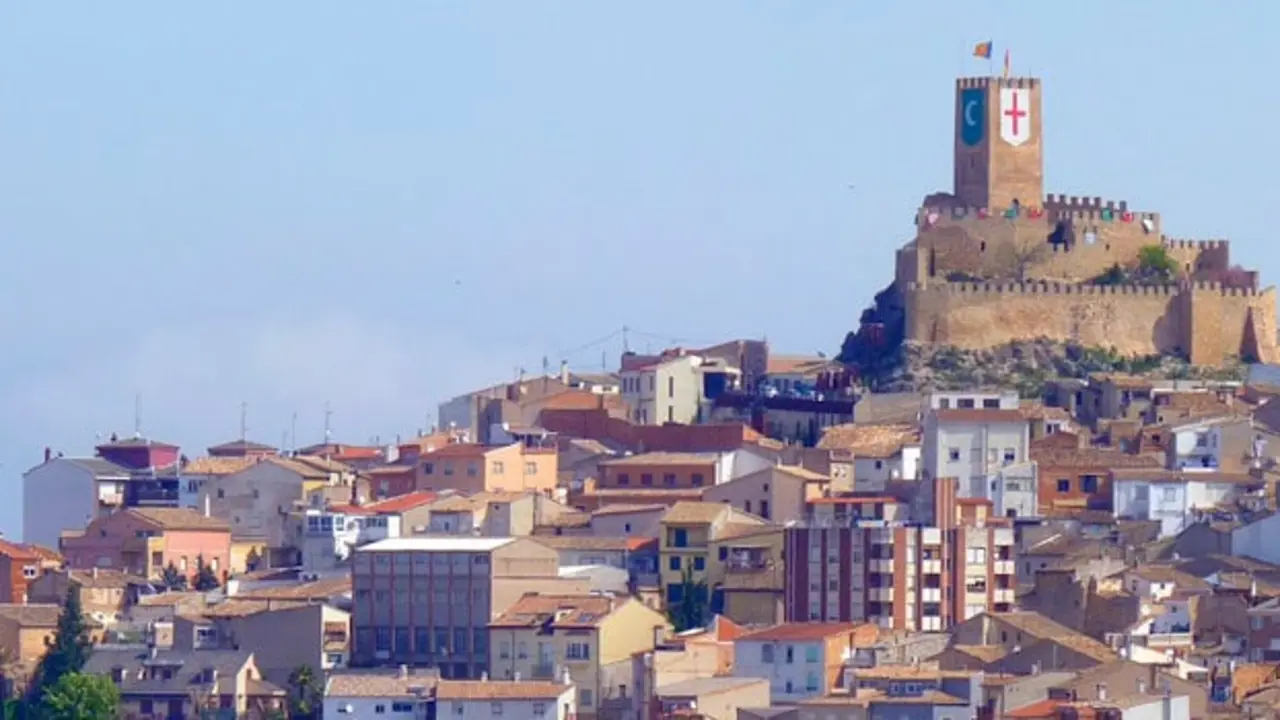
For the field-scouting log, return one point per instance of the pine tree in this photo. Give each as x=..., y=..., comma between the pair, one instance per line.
x=173, y=579
x=305, y=693
x=69, y=650
x=206, y=578
x=693, y=609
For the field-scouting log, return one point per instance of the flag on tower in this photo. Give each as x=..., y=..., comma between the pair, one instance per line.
x=982, y=50
x=1006, y=62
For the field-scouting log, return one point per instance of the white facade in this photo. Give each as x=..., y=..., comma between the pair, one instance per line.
x=329, y=536
x=409, y=707
x=1015, y=491
x=65, y=494
x=870, y=474
x=1258, y=540
x=1196, y=447
x=1171, y=707
x=671, y=390
x=741, y=463
x=1172, y=502
x=974, y=451
x=794, y=668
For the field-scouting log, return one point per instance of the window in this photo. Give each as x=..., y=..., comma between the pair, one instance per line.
x=699, y=563
x=1169, y=494
x=964, y=403
x=766, y=653
x=497, y=467
x=879, y=464
x=991, y=403
x=1089, y=483
x=953, y=454
x=675, y=562
x=585, y=698
x=944, y=403
x=624, y=479
x=669, y=479
x=401, y=707
x=646, y=479
x=1010, y=456
x=1064, y=485
x=221, y=493
x=764, y=509
x=671, y=414
x=29, y=572
x=539, y=709
x=811, y=681
x=531, y=468
x=671, y=387
x=811, y=654
x=976, y=556
x=428, y=468
x=448, y=468
x=495, y=708
x=379, y=709
x=577, y=651
x=697, y=480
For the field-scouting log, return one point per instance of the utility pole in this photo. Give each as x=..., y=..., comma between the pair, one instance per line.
x=137, y=414
x=626, y=346
x=293, y=433
x=244, y=421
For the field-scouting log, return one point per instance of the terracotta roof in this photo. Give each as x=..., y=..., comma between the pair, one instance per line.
x=1036, y=710
x=314, y=590
x=235, y=607
x=376, y=683
x=693, y=512
x=179, y=519
x=979, y=415
x=624, y=508
x=105, y=578
x=455, y=503
x=16, y=552
x=872, y=441
x=793, y=364
x=307, y=471
x=908, y=672
x=31, y=615
x=463, y=450
x=217, y=465
x=401, y=503
x=582, y=542
x=663, y=458
x=172, y=599
x=561, y=611
x=1037, y=410
x=863, y=634
x=242, y=445
x=390, y=470
x=1098, y=458
x=985, y=653
x=1170, y=574
x=1161, y=475
x=321, y=463
x=499, y=690
x=1246, y=679
x=45, y=554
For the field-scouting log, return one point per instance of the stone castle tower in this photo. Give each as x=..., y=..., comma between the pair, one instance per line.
x=998, y=260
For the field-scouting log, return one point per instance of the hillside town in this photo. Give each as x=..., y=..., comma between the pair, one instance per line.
x=732, y=532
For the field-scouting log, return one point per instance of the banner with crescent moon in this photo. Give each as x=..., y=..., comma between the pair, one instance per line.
x=973, y=115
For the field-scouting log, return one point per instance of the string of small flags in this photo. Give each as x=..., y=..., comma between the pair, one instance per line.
x=959, y=213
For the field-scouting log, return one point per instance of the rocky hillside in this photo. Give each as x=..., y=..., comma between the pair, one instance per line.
x=1022, y=366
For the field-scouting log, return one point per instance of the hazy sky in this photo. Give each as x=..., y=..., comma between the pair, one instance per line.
x=385, y=204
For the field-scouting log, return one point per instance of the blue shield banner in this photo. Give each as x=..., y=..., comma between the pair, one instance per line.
x=973, y=115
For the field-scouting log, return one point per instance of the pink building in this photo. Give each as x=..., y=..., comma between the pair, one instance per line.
x=144, y=541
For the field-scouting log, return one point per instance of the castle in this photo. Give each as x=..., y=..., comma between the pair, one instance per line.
x=998, y=261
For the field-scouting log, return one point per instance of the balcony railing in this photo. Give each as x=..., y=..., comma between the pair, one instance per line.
x=543, y=671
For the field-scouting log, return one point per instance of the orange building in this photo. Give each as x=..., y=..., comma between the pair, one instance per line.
x=144, y=541
x=473, y=468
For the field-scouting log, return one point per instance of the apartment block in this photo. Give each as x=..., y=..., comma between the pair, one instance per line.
x=429, y=600
x=898, y=575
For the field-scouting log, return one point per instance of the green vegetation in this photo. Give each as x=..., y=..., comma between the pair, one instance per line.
x=173, y=579
x=693, y=609
x=206, y=578
x=69, y=649
x=306, y=694
x=80, y=696
x=1155, y=267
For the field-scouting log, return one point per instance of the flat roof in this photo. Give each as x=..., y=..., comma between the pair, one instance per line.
x=437, y=544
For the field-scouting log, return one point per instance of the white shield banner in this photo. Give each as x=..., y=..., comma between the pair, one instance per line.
x=1015, y=115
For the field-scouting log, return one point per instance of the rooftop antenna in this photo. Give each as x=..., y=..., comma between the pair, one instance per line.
x=626, y=346
x=328, y=428
x=244, y=421
x=137, y=415
x=293, y=433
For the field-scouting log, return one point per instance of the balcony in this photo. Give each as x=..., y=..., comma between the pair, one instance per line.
x=1163, y=640
x=931, y=567
x=543, y=671
x=930, y=595
x=1005, y=567
x=880, y=594
x=880, y=565
x=1004, y=537
x=1004, y=595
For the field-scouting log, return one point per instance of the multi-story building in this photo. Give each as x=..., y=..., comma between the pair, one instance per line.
x=326, y=536
x=881, y=453
x=674, y=387
x=777, y=493
x=1176, y=498
x=800, y=659
x=984, y=439
x=405, y=694
x=685, y=537
x=19, y=567
x=473, y=468
x=144, y=541
x=848, y=565
x=591, y=637
x=430, y=599
x=65, y=493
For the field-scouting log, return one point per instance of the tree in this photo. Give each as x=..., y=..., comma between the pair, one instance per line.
x=68, y=651
x=172, y=578
x=305, y=693
x=206, y=578
x=693, y=609
x=1156, y=265
x=80, y=696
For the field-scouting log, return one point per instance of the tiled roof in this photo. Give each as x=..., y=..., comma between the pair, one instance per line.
x=1036, y=410
x=390, y=470
x=46, y=554
x=401, y=503
x=499, y=690
x=31, y=615
x=100, y=468
x=462, y=450
x=188, y=667
x=242, y=446
x=624, y=508
x=888, y=408
x=698, y=687
x=582, y=542
x=1170, y=574
x=908, y=672
x=377, y=683
x=315, y=590
x=1097, y=458
x=1133, y=382
x=218, y=465
x=322, y=464
x=793, y=364
x=562, y=611
x=871, y=441
x=1161, y=475
x=985, y=653
x=693, y=512
x=234, y=608
x=863, y=634
x=105, y=578
x=663, y=458
x=16, y=552
x=979, y=415
x=179, y=519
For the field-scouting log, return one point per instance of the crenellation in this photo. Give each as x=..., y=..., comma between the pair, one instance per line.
x=1196, y=245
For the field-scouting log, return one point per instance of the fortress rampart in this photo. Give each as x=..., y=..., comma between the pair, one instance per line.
x=1205, y=322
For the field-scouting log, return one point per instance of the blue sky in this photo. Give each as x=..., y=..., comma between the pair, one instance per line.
x=381, y=205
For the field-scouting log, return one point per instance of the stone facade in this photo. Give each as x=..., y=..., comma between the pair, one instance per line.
x=998, y=261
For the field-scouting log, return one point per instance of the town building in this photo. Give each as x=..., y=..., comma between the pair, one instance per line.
x=144, y=542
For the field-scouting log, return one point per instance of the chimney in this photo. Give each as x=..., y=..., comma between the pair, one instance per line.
x=1102, y=691
x=153, y=652
x=564, y=371
x=566, y=678
x=404, y=672
x=516, y=677
x=207, y=505
x=94, y=573
x=484, y=676
x=48, y=453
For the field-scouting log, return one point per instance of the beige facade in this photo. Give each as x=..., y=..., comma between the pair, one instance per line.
x=256, y=500
x=282, y=636
x=472, y=468
x=777, y=493
x=592, y=637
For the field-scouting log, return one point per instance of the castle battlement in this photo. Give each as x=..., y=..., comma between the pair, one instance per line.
x=1053, y=288
x=1064, y=202
x=1198, y=245
x=969, y=83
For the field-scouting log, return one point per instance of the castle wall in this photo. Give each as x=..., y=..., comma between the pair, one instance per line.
x=1135, y=320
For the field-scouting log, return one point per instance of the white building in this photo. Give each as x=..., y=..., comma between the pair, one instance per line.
x=66, y=494
x=675, y=388
x=1174, y=498
x=326, y=536
x=405, y=695
x=793, y=657
x=983, y=440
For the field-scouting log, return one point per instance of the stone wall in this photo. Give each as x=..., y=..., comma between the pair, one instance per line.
x=1203, y=322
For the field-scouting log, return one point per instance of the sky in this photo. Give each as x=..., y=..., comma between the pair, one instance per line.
x=382, y=205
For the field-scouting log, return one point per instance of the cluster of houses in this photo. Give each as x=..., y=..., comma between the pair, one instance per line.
x=717, y=533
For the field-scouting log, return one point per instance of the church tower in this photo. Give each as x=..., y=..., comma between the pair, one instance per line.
x=999, y=152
